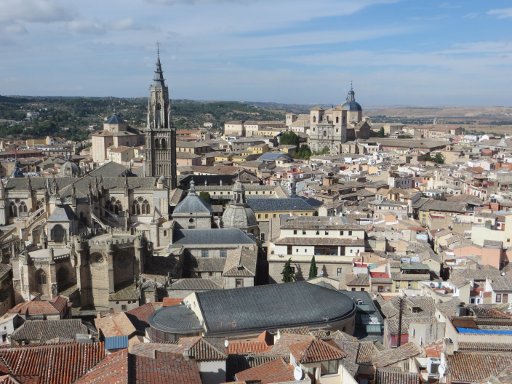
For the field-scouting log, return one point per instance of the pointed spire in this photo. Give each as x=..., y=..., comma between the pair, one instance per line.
x=351, y=96
x=159, y=75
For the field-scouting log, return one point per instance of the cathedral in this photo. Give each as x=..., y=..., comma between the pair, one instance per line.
x=109, y=239
x=329, y=128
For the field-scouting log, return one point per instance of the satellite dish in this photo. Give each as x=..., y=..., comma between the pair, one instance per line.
x=297, y=373
x=226, y=343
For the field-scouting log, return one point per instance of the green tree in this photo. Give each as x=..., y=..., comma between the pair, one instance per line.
x=313, y=270
x=438, y=158
x=288, y=272
x=304, y=152
x=381, y=132
x=289, y=138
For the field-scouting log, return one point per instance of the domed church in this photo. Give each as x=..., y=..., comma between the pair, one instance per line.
x=329, y=128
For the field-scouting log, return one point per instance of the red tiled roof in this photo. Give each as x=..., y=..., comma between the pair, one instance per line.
x=52, y=364
x=271, y=372
x=162, y=368
x=242, y=347
x=145, y=311
x=171, y=301
x=380, y=275
x=112, y=369
x=476, y=367
x=200, y=349
x=314, y=351
x=166, y=368
x=38, y=307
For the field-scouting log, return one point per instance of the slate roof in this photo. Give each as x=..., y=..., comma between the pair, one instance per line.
x=53, y=363
x=191, y=204
x=210, y=237
x=175, y=319
x=249, y=309
x=272, y=205
x=62, y=213
x=43, y=331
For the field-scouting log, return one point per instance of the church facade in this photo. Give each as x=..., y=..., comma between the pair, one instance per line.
x=329, y=128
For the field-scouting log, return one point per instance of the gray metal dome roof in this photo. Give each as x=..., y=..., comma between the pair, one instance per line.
x=351, y=104
x=115, y=119
x=192, y=203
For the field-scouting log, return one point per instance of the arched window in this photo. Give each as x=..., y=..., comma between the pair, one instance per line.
x=40, y=203
x=145, y=208
x=115, y=206
x=41, y=277
x=314, y=119
x=23, y=207
x=14, y=210
x=157, y=144
x=108, y=206
x=136, y=208
x=58, y=234
x=164, y=144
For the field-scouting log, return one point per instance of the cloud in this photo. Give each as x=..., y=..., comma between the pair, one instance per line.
x=86, y=26
x=34, y=11
x=501, y=13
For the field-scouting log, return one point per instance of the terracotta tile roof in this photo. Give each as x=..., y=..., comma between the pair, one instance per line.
x=315, y=350
x=52, y=364
x=282, y=345
x=145, y=311
x=393, y=376
x=117, y=324
x=476, y=367
x=171, y=301
x=166, y=368
x=484, y=347
x=123, y=367
x=391, y=356
x=271, y=372
x=113, y=369
x=200, y=349
x=245, y=347
x=40, y=307
x=194, y=347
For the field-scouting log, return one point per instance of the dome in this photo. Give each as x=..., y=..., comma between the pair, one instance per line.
x=239, y=216
x=69, y=169
x=115, y=119
x=192, y=204
x=351, y=104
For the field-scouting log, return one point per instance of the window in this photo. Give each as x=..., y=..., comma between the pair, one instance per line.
x=289, y=250
x=204, y=253
x=498, y=297
x=350, y=233
x=326, y=233
x=329, y=367
x=123, y=307
x=223, y=253
x=303, y=232
x=505, y=298
x=341, y=233
x=239, y=283
x=339, y=271
x=41, y=277
x=294, y=231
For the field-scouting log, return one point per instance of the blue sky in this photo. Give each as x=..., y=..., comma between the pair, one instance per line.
x=396, y=52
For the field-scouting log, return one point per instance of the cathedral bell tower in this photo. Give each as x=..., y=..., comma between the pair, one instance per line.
x=160, y=135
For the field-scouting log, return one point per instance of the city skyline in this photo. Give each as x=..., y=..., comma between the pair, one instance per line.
x=395, y=52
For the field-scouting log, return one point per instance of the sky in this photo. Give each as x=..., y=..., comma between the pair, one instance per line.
x=396, y=52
